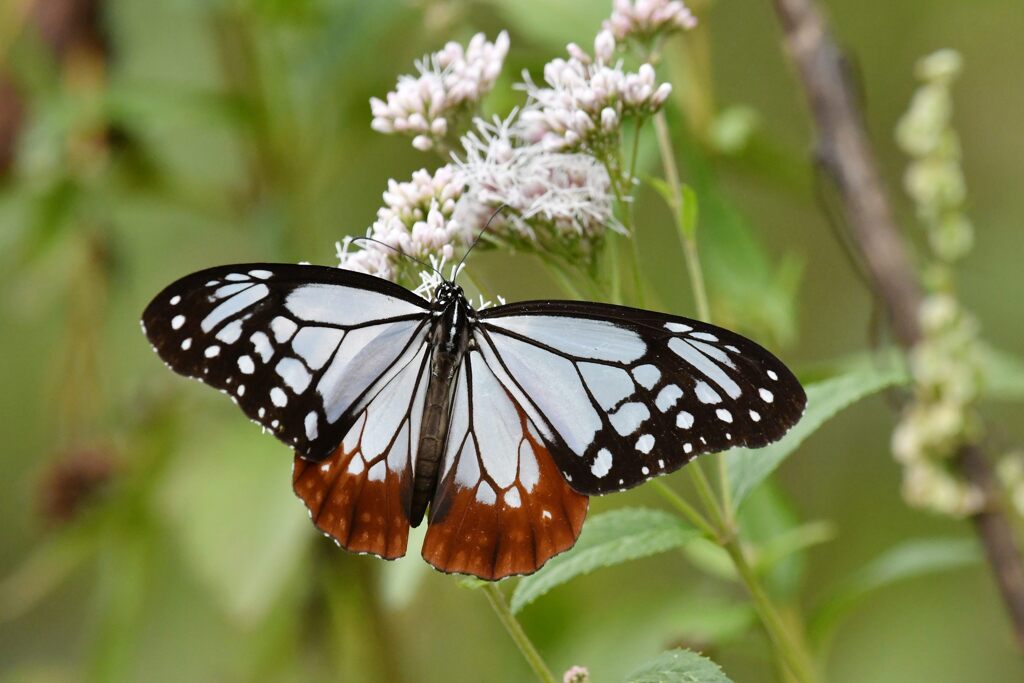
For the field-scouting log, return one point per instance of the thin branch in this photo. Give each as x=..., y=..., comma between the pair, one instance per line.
x=845, y=154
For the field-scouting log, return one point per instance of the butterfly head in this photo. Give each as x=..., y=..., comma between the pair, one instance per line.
x=446, y=293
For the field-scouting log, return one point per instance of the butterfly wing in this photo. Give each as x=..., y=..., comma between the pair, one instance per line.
x=362, y=493
x=501, y=506
x=301, y=349
x=621, y=395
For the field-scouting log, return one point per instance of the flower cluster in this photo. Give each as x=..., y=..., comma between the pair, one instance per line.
x=552, y=198
x=416, y=219
x=576, y=674
x=451, y=82
x=944, y=368
x=584, y=99
x=934, y=178
x=945, y=364
x=644, y=19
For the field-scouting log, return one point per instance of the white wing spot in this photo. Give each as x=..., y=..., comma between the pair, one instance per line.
x=261, y=343
x=245, y=365
x=236, y=277
x=646, y=470
x=230, y=333
x=377, y=471
x=546, y=515
x=262, y=412
x=283, y=329
x=326, y=467
x=628, y=418
x=706, y=336
x=755, y=416
x=661, y=464
x=728, y=436
x=529, y=472
x=278, y=397
x=706, y=394
x=668, y=397
x=724, y=415
x=261, y=274
x=684, y=420
x=645, y=443
x=766, y=395
x=772, y=375
x=485, y=494
x=602, y=463
x=177, y=321
x=212, y=351
x=241, y=390
x=275, y=424
x=677, y=327
x=311, y=425
x=175, y=300
x=512, y=498
x=355, y=465
x=294, y=374
x=234, y=305
x=187, y=344
x=647, y=375
x=688, y=448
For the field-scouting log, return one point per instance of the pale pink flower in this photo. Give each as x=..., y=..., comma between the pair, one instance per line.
x=643, y=19
x=450, y=83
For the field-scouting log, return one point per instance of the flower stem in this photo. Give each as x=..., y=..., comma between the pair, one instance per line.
x=522, y=641
x=693, y=268
x=684, y=508
x=787, y=647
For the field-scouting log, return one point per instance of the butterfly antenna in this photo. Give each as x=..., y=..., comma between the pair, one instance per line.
x=399, y=252
x=480, y=234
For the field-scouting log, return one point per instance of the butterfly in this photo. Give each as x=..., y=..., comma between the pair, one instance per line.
x=494, y=424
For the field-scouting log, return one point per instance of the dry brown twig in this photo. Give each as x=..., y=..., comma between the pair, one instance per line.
x=846, y=155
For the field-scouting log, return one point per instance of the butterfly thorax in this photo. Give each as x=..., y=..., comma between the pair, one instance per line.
x=449, y=338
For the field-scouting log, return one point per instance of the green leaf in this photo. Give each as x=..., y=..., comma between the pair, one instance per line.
x=241, y=529
x=686, y=216
x=748, y=468
x=607, y=539
x=688, y=211
x=679, y=666
x=562, y=21
x=908, y=560
x=1003, y=374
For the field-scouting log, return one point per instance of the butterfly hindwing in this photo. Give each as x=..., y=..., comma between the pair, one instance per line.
x=501, y=505
x=361, y=494
x=630, y=394
x=297, y=347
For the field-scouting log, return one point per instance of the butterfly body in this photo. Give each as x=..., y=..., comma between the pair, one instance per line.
x=495, y=424
x=449, y=338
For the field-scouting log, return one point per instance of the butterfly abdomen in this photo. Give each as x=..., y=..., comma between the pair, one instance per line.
x=449, y=339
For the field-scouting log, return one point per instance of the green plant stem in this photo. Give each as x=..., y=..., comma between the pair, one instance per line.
x=787, y=647
x=696, y=274
x=693, y=268
x=684, y=508
x=522, y=641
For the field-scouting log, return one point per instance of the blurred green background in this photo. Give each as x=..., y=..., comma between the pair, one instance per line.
x=172, y=135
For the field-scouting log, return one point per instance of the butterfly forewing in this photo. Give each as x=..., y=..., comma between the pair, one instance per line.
x=621, y=395
x=501, y=505
x=299, y=348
